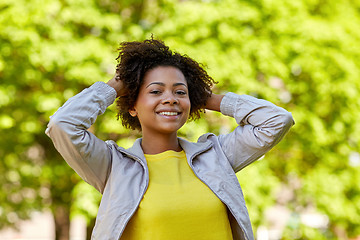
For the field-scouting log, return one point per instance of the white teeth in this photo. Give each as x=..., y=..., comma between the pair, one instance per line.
x=168, y=113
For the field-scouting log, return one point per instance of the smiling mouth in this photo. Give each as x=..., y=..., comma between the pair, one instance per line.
x=169, y=113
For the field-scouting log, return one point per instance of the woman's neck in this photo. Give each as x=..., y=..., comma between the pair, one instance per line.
x=154, y=144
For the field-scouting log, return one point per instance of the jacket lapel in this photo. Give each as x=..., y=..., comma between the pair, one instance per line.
x=135, y=152
x=193, y=149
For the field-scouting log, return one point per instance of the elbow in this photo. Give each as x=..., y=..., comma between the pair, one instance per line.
x=287, y=120
x=267, y=135
x=272, y=135
x=55, y=127
x=50, y=127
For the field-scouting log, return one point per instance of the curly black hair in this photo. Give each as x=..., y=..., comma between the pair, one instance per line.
x=136, y=58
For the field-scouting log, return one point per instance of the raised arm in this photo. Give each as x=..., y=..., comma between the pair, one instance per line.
x=261, y=126
x=84, y=152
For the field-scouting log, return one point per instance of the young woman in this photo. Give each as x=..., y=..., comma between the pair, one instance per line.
x=165, y=187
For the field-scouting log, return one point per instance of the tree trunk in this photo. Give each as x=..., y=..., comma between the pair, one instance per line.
x=62, y=223
x=89, y=228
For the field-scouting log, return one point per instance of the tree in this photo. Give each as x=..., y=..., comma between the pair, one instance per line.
x=49, y=51
x=301, y=55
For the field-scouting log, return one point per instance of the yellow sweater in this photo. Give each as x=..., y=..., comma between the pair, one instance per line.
x=177, y=205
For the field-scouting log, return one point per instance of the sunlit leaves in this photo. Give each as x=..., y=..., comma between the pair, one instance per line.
x=302, y=55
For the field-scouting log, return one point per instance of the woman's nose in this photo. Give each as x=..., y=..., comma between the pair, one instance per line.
x=170, y=99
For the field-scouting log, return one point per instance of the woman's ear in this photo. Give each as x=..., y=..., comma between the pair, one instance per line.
x=132, y=112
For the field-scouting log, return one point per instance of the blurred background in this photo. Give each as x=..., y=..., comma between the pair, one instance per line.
x=303, y=55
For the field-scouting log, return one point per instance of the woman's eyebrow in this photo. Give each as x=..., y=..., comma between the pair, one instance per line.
x=157, y=83
x=178, y=84
x=163, y=84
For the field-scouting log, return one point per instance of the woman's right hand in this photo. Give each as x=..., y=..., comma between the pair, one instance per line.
x=118, y=85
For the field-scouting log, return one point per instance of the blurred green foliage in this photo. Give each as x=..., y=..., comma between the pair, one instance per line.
x=302, y=55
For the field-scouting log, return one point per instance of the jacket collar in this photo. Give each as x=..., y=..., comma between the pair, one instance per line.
x=191, y=149
x=135, y=151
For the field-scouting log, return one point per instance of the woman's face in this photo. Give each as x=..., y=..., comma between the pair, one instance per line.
x=163, y=104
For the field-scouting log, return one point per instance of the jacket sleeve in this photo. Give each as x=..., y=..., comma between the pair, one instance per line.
x=86, y=154
x=261, y=126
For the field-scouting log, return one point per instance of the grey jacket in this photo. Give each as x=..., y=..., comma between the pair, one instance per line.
x=122, y=176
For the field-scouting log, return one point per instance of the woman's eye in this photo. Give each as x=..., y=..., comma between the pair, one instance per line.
x=181, y=92
x=155, y=92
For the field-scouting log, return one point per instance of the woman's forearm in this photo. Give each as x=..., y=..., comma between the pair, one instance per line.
x=213, y=103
